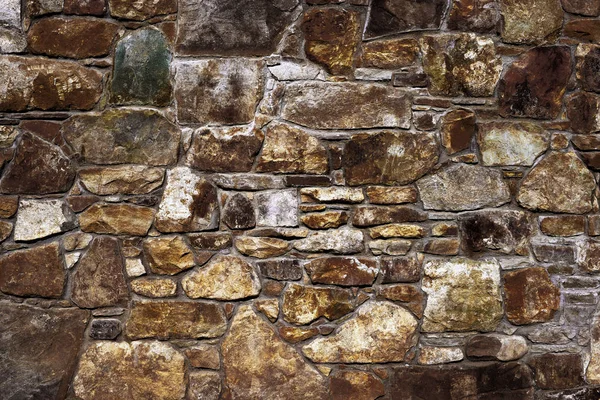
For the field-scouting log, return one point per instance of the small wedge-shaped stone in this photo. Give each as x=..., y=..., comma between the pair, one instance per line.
x=559, y=183
x=168, y=255
x=342, y=271
x=122, y=179
x=507, y=143
x=189, y=203
x=119, y=136
x=341, y=241
x=380, y=332
x=130, y=371
x=99, y=279
x=175, y=320
x=463, y=187
x=117, y=219
x=304, y=304
x=259, y=365
x=225, y=278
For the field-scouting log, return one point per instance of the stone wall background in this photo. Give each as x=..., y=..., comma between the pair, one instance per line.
x=285, y=199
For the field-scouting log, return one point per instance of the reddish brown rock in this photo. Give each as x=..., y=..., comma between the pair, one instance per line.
x=87, y=7
x=588, y=65
x=557, y=371
x=480, y=16
x=563, y=225
x=401, y=269
x=583, y=110
x=530, y=296
x=175, y=320
x=533, y=86
x=589, y=8
x=442, y=246
x=38, y=83
x=585, y=30
x=559, y=183
x=228, y=149
x=391, y=195
x=168, y=255
x=357, y=385
x=389, y=157
x=117, y=219
x=331, y=38
x=371, y=215
x=461, y=64
x=141, y=10
x=303, y=304
x=291, y=150
x=389, y=54
x=390, y=17
x=39, y=350
x=530, y=21
x=342, y=271
x=588, y=255
x=38, y=167
x=458, y=128
x=72, y=37
x=238, y=212
x=282, y=269
x=38, y=271
x=211, y=240
x=325, y=220
x=204, y=356
x=99, y=279
x=506, y=231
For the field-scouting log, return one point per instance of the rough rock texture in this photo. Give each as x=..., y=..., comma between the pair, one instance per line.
x=389, y=17
x=355, y=384
x=583, y=111
x=457, y=130
x=126, y=179
x=304, y=304
x=342, y=241
x=474, y=15
x=38, y=219
x=496, y=347
x=530, y=296
x=117, y=219
x=530, y=21
x=141, y=10
x=238, y=213
x=506, y=231
x=168, y=255
x=343, y=271
x=504, y=144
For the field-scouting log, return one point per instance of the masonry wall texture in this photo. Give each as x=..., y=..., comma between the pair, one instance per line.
x=299, y=199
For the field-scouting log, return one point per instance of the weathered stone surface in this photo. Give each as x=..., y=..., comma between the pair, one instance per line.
x=334, y=194
x=105, y=329
x=38, y=271
x=533, y=85
x=225, y=278
x=189, y=203
x=463, y=187
x=331, y=38
x=589, y=8
x=380, y=332
x=530, y=21
x=269, y=307
x=204, y=385
x=219, y=91
x=304, y=304
x=507, y=143
x=583, y=110
x=325, y=220
x=277, y=208
x=265, y=367
x=141, y=10
x=316, y=105
x=261, y=247
x=293, y=71
x=389, y=17
x=217, y=27
x=141, y=69
x=530, y=296
x=585, y=30
x=123, y=179
x=442, y=246
x=224, y=149
x=211, y=240
x=249, y=181
x=341, y=241
x=119, y=136
x=480, y=16
x=38, y=167
x=558, y=183
x=496, y=380
x=11, y=13
x=37, y=83
x=291, y=150
x=12, y=40
x=238, y=213
x=463, y=295
x=392, y=195
x=393, y=158
x=370, y=215
x=204, y=356
x=563, y=225
x=557, y=371
x=281, y=269
x=72, y=37
x=88, y=7
x=342, y=271
x=358, y=385
x=117, y=219
x=38, y=219
x=389, y=54
x=552, y=252
x=431, y=355
x=401, y=269
x=588, y=255
x=397, y=231
x=128, y=371
x=461, y=64
x=507, y=231
x=152, y=287
x=39, y=350
x=496, y=347
x=175, y=320
x=168, y=255
x=593, y=371
x=392, y=247
x=99, y=279
x=458, y=129
x=588, y=63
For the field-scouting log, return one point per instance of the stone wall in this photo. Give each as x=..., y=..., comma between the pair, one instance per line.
x=299, y=199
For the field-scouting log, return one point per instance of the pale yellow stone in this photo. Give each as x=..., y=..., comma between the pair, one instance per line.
x=397, y=231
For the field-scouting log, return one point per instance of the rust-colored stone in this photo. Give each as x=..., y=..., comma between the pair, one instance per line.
x=357, y=385
x=458, y=128
x=325, y=220
x=583, y=111
x=342, y=271
x=389, y=54
x=168, y=255
x=530, y=296
x=117, y=219
x=563, y=225
x=480, y=16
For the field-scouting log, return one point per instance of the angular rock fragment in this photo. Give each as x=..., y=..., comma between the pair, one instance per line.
x=530, y=296
x=211, y=240
x=530, y=21
x=334, y=194
x=149, y=287
x=589, y=8
x=123, y=179
x=380, y=332
x=117, y=219
x=496, y=347
x=325, y=220
x=141, y=10
x=38, y=219
x=506, y=231
x=397, y=231
x=583, y=110
x=559, y=183
x=585, y=30
x=563, y=225
x=38, y=271
x=442, y=246
x=281, y=269
x=588, y=63
x=390, y=17
x=204, y=385
x=90, y=7
x=99, y=279
x=105, y=329
x=304, y=304
x=463, y=295
x=392, y=195
x=588, y=255
x=558, y=371
x=168, y=255
x=480, y=16
x=175, y=320
x=238, y=213
x=458, y=129
x=401, y=269
x=431, y=355
x=342, y=271
x=261, y=247
x=392, y=247
x=463, y=187
x=370, y=215
x=277, y=208
x=389, y=54
x=225, y=278
x=341, y=241
x=393, y=158
x=507, y=143
x=265, y=367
